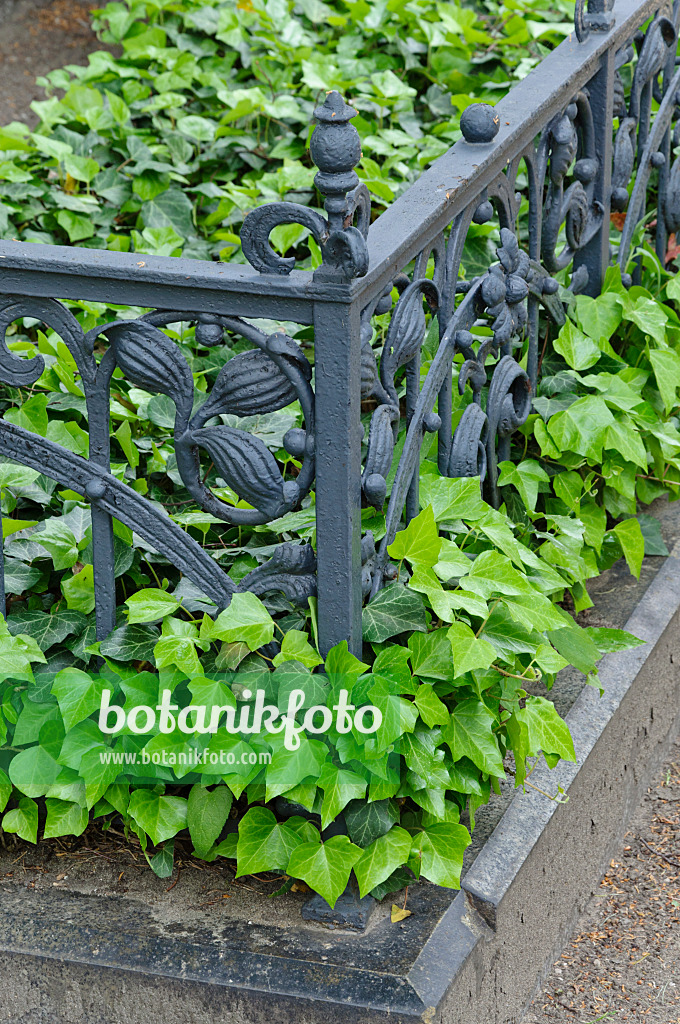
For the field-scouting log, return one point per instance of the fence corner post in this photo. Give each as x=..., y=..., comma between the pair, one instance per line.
x=338, y=473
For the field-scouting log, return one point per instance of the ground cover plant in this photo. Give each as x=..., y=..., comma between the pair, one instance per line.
x=163, y=150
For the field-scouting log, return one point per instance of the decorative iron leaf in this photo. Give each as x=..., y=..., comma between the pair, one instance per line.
x=369, y=367
x=291, y=569
x=563, y=149
x=624, y=152
x=576, y=214
x=345, y=252
x=468, y=453
x=407, y=329
x=249, y=384
x=379, y=457
x=671, y=203
x=659, y=39
x=150, y=360
x=248, y=467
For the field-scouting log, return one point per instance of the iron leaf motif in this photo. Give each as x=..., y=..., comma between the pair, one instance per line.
x=291, y=569
x=251, y=383
x=249, y=468
x=150, y=360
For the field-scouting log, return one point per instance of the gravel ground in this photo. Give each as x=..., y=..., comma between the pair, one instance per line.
x=624, y=963
x=37, y=36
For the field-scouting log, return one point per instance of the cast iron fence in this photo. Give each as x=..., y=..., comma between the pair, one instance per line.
x=569, y=140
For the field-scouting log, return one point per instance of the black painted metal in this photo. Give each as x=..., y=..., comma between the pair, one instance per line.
x=570, y=139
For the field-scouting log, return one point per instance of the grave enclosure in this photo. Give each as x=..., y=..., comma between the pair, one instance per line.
x=550, y=142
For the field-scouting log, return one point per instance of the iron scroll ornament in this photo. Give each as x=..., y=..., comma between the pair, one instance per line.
x=335, y=148
x=275, y=370
x=500, y=295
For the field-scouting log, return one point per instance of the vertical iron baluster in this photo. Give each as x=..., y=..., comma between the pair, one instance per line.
x=338, y=473
x=595, y=254
x=412, y=396
x=102, y=523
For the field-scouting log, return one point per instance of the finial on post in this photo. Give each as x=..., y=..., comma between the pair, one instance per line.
x=336, y=150
x=479, y=123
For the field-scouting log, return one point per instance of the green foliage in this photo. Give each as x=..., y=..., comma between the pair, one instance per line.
x=164, y=150
x=206, y=113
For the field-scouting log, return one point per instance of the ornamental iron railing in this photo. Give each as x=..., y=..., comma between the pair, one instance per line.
x=589, y=131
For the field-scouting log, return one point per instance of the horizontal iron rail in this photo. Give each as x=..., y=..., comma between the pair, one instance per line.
x=460, y=176
x=454, y=181
x=166, y=282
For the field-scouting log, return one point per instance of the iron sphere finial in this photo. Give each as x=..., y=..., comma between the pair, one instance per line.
x=479, y=123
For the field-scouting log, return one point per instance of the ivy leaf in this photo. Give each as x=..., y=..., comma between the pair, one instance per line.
x=64, y=818
x=493, y=573
x=469, y=733
x=576, y=646
x=33, y=771
x=78, y=694
x=599, y=317
x=526, y=477
x=469, y=652
x=179, y=651
x=394, y=610
x=649, y=316
x=23, y=820
x=130, y=643
x=379, y=860
x=624, y=437
x=207, y=812
x=59, y=540
x=245, y=620
x=264, y=844
x=46, y=628
x=289, y=767
x=169, y=209
x=342, y=668
x=19, y=577
x=609, y=640
x=150, y=605
x=420, y=542
x=79, y=590
x=161, y=817
x=5, y=789
x=432, y=710
x=509, y=638
x=579, y=351
x=296, y=647
x=325, y=867
x=339, y=787
x=651, y=531
x=546, y=731
x=162, y=863
x=629, y=536
x=365, y=822
x=431, y=655
x=453, y=498
x=398, y=715
x=582, y=428
x=666, y=366
x=452, y=561
x=440, y=849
